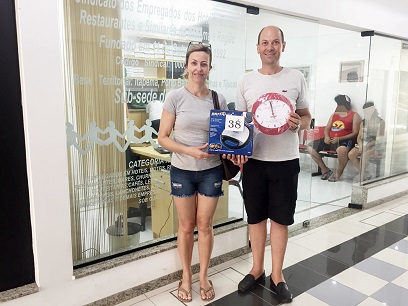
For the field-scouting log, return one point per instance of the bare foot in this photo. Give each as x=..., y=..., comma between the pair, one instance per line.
x=184, y=291
x=207, y=291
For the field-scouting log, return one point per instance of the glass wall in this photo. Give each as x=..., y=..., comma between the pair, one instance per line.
x=342, y=67
x=122, y=58
x=388, y=89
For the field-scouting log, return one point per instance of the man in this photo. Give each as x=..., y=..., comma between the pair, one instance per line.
x=270, y=177
x=340, y=135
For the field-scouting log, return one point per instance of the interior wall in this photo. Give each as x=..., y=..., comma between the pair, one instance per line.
x=17, y=260
x=39, y=34
x=337, y=46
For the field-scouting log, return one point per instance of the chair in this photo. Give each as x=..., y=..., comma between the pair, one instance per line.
x=237, y=183
x=142, y=211
x=155, y=125
x=310, y=135
x=377, y=161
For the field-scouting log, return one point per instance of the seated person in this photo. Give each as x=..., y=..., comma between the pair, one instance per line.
x=371, y=127
x=154, y=111
x=340, y=135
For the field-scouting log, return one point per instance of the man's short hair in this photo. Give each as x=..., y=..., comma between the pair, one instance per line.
x=281, y=32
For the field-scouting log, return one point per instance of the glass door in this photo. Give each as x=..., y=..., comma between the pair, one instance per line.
x=388, y=89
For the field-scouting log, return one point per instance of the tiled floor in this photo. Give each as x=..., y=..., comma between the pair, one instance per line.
x=358, y=260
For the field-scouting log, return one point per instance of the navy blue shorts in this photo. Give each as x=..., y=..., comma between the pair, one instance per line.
x=320, y=145
x=270, y=190
x=186, y=183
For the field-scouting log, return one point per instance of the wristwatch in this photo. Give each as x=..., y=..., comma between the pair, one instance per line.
x=296, y=129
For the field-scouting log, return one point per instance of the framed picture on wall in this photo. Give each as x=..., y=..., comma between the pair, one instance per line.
x=305, y=70
x=352, y=71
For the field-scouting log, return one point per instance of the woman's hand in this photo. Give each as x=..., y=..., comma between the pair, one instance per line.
x=360, y=150
x=359, y=146
x=197, y=152
x=238, y=160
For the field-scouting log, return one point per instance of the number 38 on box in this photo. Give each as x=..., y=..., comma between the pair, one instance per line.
x=231, y=132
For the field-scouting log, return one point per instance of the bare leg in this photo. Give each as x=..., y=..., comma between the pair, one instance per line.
x=205, y=211
x=353, y=156
x=186, y=211
x=367, y=154
x=257, y=234
x=279, y=240
x=342, y=159
x=317, y=158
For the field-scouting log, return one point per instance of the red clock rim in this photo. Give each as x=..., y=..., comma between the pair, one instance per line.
x=259, y=101
x=274, y=96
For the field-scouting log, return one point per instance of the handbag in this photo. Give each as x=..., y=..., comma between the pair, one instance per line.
x=230, y=170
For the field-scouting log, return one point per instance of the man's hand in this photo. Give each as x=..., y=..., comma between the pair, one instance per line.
x=334, y=140
x=238, y=160
x=293, y=120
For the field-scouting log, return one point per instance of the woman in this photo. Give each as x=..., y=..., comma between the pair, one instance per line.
x=371, y=127
x=196, y=176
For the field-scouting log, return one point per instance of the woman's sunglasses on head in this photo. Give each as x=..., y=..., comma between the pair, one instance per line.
x=198, y=43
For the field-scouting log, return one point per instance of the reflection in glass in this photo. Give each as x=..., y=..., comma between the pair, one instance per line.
x=368, y=149
x=388, y=87
x=120, y=58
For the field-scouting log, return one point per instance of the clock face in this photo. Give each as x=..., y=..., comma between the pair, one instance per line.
x=270, y=113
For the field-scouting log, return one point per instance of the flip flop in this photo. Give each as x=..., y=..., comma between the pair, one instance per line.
x=326, y=175
x=205, y=291
x=333, y=178
x=187, y=293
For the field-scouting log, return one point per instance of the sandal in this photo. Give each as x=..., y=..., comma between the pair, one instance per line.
x=333, y=178
x=187, y=293
x=326, y=175
x=205, y=291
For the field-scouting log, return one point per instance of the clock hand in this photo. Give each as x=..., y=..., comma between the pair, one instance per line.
x=270, y=103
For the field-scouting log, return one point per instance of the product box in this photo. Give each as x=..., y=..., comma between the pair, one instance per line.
x=231, y=132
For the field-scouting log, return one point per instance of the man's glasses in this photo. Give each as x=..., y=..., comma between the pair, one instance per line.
x=192, y=44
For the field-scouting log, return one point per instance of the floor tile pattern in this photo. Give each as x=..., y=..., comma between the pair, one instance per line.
x=327, y=266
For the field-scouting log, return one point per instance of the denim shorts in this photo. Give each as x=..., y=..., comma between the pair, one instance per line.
x=186, y=183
